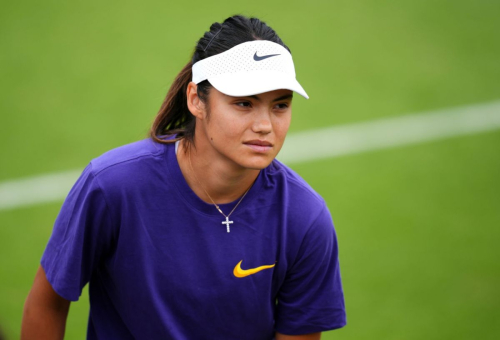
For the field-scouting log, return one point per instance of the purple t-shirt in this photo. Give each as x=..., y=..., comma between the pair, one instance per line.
x=161, y=265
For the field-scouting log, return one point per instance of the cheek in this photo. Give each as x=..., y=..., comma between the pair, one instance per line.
x=224, y=126
x=282, y=125
x=224, y=129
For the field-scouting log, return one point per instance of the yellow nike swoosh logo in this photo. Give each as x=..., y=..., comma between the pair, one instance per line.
x=238, y=272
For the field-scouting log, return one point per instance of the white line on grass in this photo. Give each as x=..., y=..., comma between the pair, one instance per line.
x=390, y=132
x=37, y=189
x=304, y=146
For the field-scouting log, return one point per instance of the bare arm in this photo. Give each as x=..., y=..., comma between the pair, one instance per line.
x=313, y=336
x=45, y=312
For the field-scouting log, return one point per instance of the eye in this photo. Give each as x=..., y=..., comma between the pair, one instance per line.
x=243, y=104
x=282, y=106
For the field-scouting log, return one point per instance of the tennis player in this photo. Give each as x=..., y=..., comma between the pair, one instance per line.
x=198, y=232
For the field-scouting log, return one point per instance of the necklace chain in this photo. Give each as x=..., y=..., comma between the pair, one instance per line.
x=216, y=205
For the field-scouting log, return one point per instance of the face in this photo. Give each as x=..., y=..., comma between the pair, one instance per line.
x=247, y=131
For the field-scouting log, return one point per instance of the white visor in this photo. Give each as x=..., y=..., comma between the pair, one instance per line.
x=249, y=68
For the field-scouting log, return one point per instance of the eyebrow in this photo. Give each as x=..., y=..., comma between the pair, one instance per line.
x=286, y=96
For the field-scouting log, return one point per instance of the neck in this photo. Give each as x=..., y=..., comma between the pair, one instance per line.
x=221, y=180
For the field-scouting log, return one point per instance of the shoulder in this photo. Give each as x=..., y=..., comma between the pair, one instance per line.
x=299, y=197
x=126, y=155
x=294, y=183
x=135, y=166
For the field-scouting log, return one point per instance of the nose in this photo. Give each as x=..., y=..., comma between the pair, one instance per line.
x=262, y=123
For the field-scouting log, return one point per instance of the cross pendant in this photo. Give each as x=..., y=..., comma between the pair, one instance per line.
x=227, y=223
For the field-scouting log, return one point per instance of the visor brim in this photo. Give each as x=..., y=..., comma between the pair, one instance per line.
x=247, y=84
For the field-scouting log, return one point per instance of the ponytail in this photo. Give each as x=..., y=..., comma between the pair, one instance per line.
x=174, y=117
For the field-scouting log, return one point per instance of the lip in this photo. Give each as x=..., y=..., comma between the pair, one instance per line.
x=259, y=145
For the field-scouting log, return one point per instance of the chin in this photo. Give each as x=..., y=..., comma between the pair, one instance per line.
x=257, y=164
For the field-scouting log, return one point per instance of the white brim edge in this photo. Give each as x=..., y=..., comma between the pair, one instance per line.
x=246, y=84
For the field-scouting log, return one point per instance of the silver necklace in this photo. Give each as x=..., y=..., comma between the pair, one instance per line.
x=227, y=222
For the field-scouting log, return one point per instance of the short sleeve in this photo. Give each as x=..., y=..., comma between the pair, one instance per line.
x=82, y=232
x=311, y=298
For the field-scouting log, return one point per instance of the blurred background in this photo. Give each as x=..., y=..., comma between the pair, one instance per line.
x=418, y=224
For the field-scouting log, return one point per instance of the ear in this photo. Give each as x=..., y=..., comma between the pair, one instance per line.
x=194, y=103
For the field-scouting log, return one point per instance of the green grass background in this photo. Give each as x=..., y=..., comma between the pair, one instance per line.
x=418, y=226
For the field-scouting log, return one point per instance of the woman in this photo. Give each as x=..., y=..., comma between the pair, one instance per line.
x=198, y=232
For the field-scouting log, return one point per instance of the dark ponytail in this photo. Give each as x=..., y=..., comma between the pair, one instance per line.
x=174, y=118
